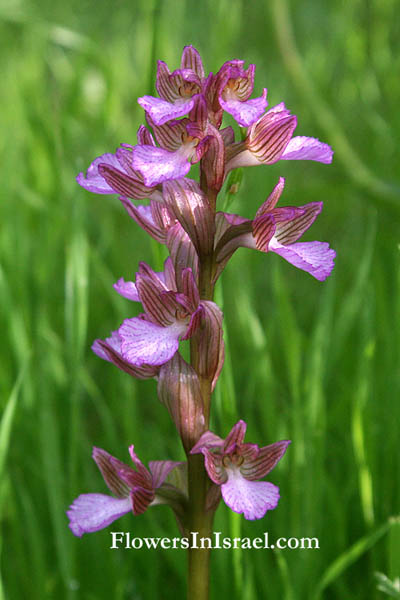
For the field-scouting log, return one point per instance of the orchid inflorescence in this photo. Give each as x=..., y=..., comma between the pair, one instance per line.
x=184, y=128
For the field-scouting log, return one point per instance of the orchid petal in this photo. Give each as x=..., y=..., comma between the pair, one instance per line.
x=144, y=342
x=235, y=436
x=94, y=181
x=289, y=231
x=127, y=289
x=157, y=165
x=162, y=111
x=160, y=469
x=252, y=498
x=110, y=350
x=208, y=440
x=307, y=148
x=92, y=512
x=109, y=467
x=245, y=112
x=314, y=257
x=191, y=59
x=264, y=461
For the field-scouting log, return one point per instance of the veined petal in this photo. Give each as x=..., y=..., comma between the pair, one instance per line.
x=127, y=289
x=307, y=148
x=127, y=185
x=208, y=440
x=160, y=469
x=92, y=512
x=143, y=215
x=268, y=137
x=191, y=59
x=144, y=342
x=214, y=467
x=272, y=199
x=264, y=461
x=141, y=499
x=252, y=498
x=109, y=466
x=110, y=350
x=162, y=111
x=314, y=257
x=235, y=436
x=94, y=181
x=157, y=165
x=245, y=112
x=291, y=230
x=263, y=231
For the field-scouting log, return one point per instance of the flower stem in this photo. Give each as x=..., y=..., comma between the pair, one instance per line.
x=200, y=520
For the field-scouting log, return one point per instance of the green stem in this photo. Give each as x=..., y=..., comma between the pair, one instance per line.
x=199, y=519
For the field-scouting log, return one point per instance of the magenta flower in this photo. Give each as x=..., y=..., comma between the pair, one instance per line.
x=236, y=467
x=135, y=489
x=271, y=139
x=178, y=91
x=114, y=174
x=234, y=86
x=182, y=143
x=277, y=230
x=153, y=337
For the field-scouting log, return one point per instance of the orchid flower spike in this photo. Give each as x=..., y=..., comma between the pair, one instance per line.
x=135, y=489
x=236, y=467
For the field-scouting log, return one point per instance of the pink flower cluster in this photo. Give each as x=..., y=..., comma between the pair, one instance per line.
x=184, y=128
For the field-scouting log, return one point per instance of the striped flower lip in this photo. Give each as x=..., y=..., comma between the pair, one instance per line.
x=134, y=489
x=236, y=467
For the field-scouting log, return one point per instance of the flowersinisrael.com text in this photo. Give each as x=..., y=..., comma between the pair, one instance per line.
x=124, y=540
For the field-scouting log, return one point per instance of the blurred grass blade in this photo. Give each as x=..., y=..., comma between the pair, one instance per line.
x=7, y=419
x=6, y=425
x=347, y=558
x=385, y=585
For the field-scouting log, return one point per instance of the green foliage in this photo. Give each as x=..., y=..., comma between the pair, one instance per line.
x=315, y=363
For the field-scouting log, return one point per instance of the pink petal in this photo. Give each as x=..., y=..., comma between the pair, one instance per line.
x=191, y=59
x=92, y=512
x=235, y=436
x=245, y=112
x=160, y=469
x=207, y=441
x=252, y=498
x=314, y=257
x=143, y=342
x=289, y=231
x=110, y=350
x=157, y=165
x=162, y=111
x=264, y=461
x=109, y=467
x=306, y=148
x=127, y=289
x=94, y=182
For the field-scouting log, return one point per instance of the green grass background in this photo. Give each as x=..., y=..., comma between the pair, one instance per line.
x=316, y=363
